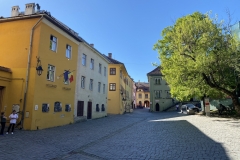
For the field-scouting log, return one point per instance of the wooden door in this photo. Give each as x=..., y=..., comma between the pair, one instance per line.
x=80, y=107
x=89, y=110
x=157, y=107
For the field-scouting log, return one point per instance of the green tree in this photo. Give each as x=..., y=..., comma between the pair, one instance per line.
x=199, y=56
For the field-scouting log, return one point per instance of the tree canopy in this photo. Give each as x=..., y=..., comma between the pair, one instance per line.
x=198, y=56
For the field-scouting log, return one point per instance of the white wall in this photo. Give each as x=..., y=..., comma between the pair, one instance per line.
x=85, y=94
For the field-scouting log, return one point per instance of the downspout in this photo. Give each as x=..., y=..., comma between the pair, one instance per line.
x=27, y=74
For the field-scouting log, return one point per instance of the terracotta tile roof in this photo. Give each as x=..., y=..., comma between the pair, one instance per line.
x=156, y=71
x=143, y=85
x=5, y=69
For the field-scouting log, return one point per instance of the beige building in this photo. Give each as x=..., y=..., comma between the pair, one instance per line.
x=142, y=94
x=92, y=83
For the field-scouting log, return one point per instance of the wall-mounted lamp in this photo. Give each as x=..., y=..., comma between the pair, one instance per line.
x=39, y=66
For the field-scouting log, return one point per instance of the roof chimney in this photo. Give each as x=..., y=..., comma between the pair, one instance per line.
x=92, y=44
x=110, y=55
x=15, y=11
x=30, y=8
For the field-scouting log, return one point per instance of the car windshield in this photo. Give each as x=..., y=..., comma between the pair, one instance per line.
x=190, y=105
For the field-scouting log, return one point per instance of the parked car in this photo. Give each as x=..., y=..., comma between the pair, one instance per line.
x=189, y=109
x=198, y=105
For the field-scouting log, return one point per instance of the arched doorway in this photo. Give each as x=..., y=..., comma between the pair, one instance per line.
x=140, y=103
x=157, y=107
x=146, y=103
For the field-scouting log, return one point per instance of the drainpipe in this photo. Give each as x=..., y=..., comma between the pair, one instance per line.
x=27, y=74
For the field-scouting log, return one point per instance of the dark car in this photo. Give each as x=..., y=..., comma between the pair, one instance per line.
x=189, y=109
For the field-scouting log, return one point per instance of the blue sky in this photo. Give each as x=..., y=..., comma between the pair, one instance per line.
x=126, y=28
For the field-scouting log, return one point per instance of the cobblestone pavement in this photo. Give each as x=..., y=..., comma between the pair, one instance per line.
x=137, y=136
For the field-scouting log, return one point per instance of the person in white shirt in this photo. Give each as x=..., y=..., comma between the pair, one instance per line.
x=13, y=119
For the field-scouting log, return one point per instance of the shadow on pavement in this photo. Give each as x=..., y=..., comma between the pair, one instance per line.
x=184, y=140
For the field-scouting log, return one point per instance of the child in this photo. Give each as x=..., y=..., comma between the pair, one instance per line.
x=13, y=119
x=3, y=122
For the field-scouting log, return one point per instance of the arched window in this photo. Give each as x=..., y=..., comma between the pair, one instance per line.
x=103, y=108
x=97, y=108
x=159, y=81
x=155, y=80
x=57, y=107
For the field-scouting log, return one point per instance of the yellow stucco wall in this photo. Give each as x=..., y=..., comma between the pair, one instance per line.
x=115, y=103
x=5, y=82
x=14, y=48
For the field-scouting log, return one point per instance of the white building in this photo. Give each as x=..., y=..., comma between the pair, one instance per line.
x=92, y=83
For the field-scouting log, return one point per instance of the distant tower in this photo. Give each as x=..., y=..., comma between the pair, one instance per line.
x=15, y=11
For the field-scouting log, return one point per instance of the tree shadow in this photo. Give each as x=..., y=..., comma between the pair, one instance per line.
x=185, y=140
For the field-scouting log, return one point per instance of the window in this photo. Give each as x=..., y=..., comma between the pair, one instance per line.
x=53, y=43
x=100, y=68
x=99, y=87
x=45, y=107
x=57, y=107
x=112, y=86
x=168, y=94
x=157, y=80
x=103, y=88
x=157, y=94
x=82, y=82
x=84, y=58
x=140, y=95
x=91, y=84
x=103, y=108
x=68, y=107
x=97, y=108
x=105, y=71
x=51, y=73
x=92, y=64
x=112, y=71
x=121, y=74
x=68, y=51
x=146, y=95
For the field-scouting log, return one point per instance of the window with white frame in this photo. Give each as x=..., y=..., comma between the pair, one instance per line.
x=53, y=43
x=105, y=71
x=158, y=94
x=112, y=71
x=92, y=64
x=99, y=87
x=51, y=73
x=103, y=88
x=100, y=68
x=168, y=94
x=82, y=82
x=84, y=58
x=91, y=84
x=112, y=86
x=68, y=51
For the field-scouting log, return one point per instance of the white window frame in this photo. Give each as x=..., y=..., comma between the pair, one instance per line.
x=104, y=88
x=53, y=40
x=92, y=64
x=51, y=73
x=99, y=87
x=83, y=82
x=105, y=71
x=68, y=51
x=91, y=84
x=100, y=68
x=84, y=59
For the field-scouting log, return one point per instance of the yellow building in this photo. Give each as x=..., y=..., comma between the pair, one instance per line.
x=120, y=87
x=33, y=40
x=142, y=94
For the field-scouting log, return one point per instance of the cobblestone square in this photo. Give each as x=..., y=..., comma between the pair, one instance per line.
x=141, y=135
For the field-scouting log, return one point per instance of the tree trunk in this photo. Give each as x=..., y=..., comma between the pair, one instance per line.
x=236, y=104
